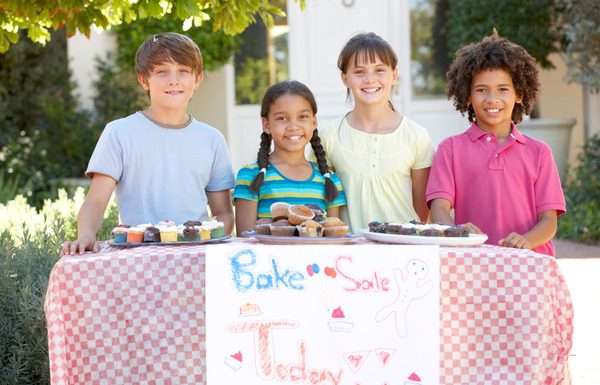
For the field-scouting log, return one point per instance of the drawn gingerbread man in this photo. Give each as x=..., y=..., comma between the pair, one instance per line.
x=412, y=284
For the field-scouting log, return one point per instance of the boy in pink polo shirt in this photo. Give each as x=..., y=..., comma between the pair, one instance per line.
x=497, y=180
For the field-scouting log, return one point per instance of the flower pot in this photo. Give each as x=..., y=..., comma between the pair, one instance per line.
x=557, y=134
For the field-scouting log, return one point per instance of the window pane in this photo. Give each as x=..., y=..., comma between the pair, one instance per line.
x=261, y=60
x=429, y=55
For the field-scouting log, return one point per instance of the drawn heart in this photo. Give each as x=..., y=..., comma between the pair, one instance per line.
x=330, y=272
x=237, y=356
x=309, y=270
x=315, y=268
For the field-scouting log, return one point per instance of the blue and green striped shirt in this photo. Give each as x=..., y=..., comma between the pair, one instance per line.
x=279, y=188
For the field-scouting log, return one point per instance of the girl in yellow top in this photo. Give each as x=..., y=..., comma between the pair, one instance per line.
x=382, y=157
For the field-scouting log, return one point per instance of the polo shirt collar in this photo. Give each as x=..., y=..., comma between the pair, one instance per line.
x=476, y=133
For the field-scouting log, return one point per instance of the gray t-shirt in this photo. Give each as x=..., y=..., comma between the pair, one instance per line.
x=162, y=173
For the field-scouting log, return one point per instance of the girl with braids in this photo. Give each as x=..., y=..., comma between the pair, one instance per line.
x=495, y=178
x=382, y=157
x=288, y=113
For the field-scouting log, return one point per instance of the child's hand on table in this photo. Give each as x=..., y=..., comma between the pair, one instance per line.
x=471, y=228
x=515, y=240
x=79, y=246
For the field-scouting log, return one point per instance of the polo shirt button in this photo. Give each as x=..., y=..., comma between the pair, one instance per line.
x=496, y=155
x=488, y=139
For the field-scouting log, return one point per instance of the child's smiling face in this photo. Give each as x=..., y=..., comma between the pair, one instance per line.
x=369, y=81
x=171, y=85
x=493, y=98
x=290, y=122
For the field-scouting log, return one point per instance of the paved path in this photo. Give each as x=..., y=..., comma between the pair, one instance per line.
x=570, y=249
x=580, y=264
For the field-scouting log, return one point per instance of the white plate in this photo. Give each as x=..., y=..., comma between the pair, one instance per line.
x=471, y=240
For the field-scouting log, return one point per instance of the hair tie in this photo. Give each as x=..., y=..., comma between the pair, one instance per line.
x=263, y=171
x=155, y=39
x=327, y=175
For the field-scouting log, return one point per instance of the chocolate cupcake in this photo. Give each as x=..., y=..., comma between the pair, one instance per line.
x=282, y=228
x=377, y=227
x=151, y=234
x=192, y=223
x=431, y=233
x=393, y=228
x=456, y=231
x=190, y=234
x=407, y=230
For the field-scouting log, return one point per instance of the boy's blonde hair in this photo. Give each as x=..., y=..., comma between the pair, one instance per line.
x=166, y=47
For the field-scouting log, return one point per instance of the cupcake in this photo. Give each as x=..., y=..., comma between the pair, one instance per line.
x=279, y=210
x=204, y=233
x=334, y=227
x=119, y=234
x=192, y=223
x=217, y=229
x=431, y=232
x=377, y=227
x=168, y=233
x=263, y=226
x=151, y=234
x=310, y=228
x=456, y=231
x=282, y=228
x=191, y=234
x=135, y=235
x=299, y=213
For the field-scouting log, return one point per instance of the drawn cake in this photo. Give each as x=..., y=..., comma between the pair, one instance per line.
x=413, y=379
x=249, y=310
x=339, y=322
x=234, y=361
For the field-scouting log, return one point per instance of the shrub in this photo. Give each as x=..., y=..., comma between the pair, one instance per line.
x=29, y=244
x=582, y=221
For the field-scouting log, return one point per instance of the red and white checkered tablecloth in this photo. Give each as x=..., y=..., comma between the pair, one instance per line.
x=136, y=316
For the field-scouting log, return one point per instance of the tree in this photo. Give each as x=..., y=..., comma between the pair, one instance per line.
x=39, y=17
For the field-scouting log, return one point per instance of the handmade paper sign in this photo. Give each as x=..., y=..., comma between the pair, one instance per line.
x=363, y=314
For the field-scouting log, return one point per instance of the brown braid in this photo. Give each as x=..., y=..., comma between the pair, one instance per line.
x=331, y=191
x=263, y=161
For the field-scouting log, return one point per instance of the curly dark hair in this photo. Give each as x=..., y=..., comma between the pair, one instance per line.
x=493, y=52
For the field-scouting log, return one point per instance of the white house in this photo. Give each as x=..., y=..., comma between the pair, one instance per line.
x=315, y=36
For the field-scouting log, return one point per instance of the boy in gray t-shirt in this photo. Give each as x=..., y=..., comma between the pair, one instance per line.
x=164, y=164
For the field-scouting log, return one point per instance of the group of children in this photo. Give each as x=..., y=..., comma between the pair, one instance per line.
x=373, y=163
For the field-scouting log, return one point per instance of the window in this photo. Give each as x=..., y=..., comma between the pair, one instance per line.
x=261, y=60
x=429, y=59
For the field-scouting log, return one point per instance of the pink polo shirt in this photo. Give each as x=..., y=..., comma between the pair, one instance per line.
x=500, y=188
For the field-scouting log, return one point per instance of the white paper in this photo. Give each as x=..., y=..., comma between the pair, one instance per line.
x=361, y=314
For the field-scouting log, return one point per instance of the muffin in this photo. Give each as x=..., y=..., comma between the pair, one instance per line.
x=282, y=228
x=263, y=226
x=407, y=230
x=151, y=234
x=334, y=227
x=191, y=233
x=279, y=210
x=310, y=228
x=299, y=213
